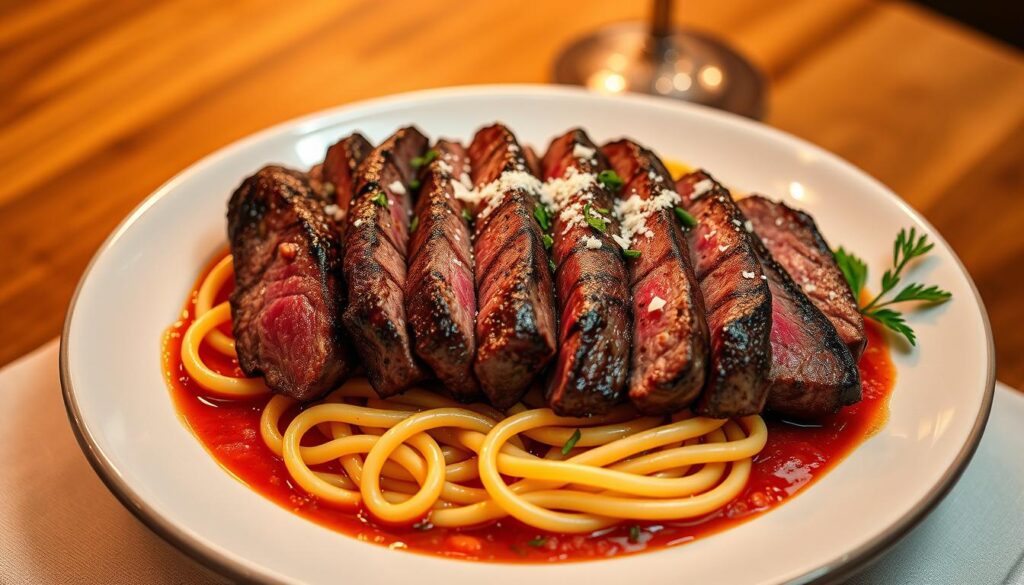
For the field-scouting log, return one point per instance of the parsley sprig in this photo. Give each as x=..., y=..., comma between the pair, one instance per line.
x=611, y=180
x=907, y=247
x=595, y=219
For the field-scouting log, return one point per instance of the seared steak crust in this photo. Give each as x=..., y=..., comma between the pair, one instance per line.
x=515, y=327
x=813, y=373
x=376, y=239
x=339, y=171
x=440, y=298
x=594, y=308
x=737, y=300
x=670, y=342
x=288, y=294
x=794, y=241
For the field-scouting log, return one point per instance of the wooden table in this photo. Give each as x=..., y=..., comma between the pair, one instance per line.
x=101, y=102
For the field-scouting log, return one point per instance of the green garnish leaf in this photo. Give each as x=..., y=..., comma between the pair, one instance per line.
x=571, y=442
x=596, y=221
x=854, y=270
x=685, y=218
x=548, y=241
x=381, y=199
x=908, y=246
x=537, y=541
x=634, y=534
x=611, y=180
x=630, y=253
x=414, y=184
x=541, y=213
x=552, y=265
x=415, y=223
x=426, y=159
x=603, y=210
x=466, y=215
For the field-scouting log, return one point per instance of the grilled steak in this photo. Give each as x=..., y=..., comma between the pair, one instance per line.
x=515, y=327
x=339, y=171
x=794, y=241
x=736, y=296
x=440, y=298
x=288, y=295
x=670, y=334
x=591, y=281
x=376, y=239
x=813, y=373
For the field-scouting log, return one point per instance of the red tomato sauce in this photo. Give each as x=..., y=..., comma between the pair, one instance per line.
x=794, y=458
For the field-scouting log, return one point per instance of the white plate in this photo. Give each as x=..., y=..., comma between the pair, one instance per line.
x=121, y=409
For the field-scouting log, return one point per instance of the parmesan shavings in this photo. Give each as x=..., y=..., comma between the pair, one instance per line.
x=592, y=242
x=633, y=214
x=580, y=151
x=493, y=193
x=397, y=188
x=657, y=303
x=701, y=188
x=748, y=274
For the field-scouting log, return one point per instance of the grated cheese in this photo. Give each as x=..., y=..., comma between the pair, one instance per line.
x=580, y=151
x=397, y=188
x=656, y=304
x=748, y=274
x=592, y=242
x=701, y=188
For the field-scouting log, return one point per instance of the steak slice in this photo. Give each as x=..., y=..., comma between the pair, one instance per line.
x=736, y=296
x=591, y=281
x=440, y=298
x=339, y=172
x=813, y=373
x=794, y=241
x=670, y=333
x=288, y=296
x=515, y=327
x=376, y=240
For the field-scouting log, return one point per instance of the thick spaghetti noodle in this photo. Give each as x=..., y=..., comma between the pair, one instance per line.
x=421, y=457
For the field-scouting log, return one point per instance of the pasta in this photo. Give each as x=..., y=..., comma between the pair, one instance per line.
x=423, y=458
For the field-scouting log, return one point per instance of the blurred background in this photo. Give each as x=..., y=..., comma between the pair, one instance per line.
x=102, y=101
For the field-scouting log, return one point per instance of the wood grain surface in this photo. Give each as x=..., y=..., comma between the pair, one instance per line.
x=101, y=102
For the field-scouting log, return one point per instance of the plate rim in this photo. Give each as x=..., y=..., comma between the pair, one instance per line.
x=829, y=571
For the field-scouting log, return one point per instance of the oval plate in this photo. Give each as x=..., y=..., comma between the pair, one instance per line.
x=122, y=414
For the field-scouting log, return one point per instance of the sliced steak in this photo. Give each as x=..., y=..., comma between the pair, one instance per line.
x=813, y=373
x=670, y=334
x=736, y=296
x=376, y=240
x=288, y=297
x=593, y=296
x=339, y=172
x=794, y=241
x=515, y=327
x=440, y=298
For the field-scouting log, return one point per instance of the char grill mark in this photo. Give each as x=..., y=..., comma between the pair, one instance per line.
x=794, y=241
x=813, y=373
x=515, y=327
x=594, y=312
x=670, y=343
x=737, y=299
x=288, y=296
x=440, y=289
x=376, y=239
x=339, y=171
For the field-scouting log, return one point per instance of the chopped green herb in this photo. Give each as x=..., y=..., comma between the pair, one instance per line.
x=571, y=442
x=596, y=221
x=603, y=210
x=630, y=253
x=908, y=245
x=415, y=223
x=537, y=541
x=381, y=199
x=553, y=266
x=611, y=180
x=541, y=213
x=426, y=159
x=685, y=218
x=414, y=184
x=548, y=241
x=466, y=215
x=634, y=534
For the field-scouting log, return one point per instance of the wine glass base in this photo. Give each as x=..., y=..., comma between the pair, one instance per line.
x=686, y=65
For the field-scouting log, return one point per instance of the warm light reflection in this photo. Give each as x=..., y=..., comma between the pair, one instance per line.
x=617, y=62
x=711, y=76
x=663, y=85
x=796, y=190
x=606, y=81
x=682, y=81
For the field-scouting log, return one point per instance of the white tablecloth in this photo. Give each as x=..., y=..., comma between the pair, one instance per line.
x=59, y=524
